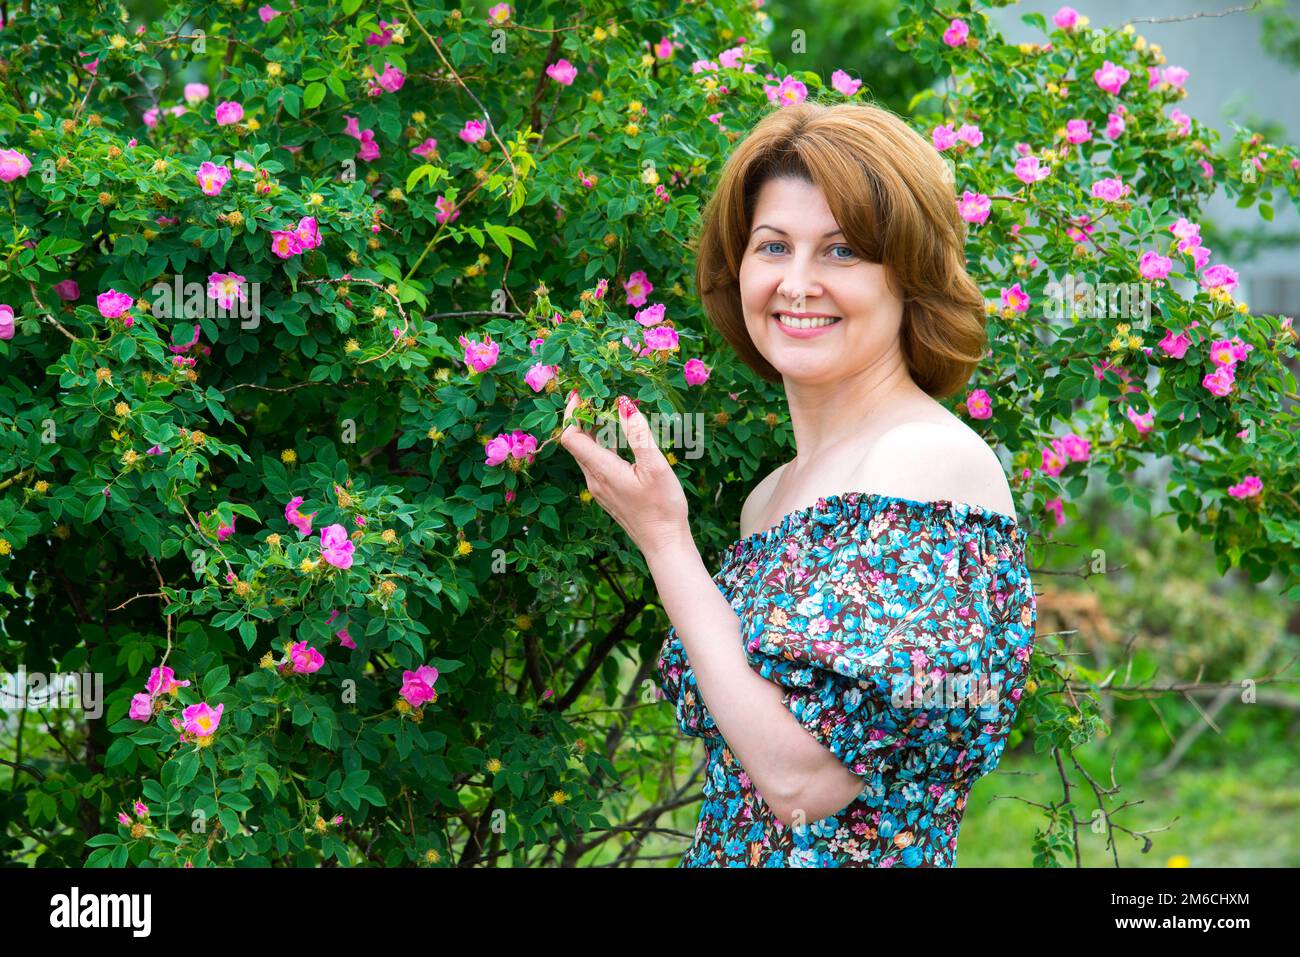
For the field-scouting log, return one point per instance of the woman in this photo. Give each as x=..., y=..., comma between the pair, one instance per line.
x=864, y=645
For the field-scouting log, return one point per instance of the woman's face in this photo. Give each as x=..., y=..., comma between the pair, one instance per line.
x=792, y=265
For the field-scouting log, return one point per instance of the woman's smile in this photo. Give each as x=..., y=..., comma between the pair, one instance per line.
x=803, y=328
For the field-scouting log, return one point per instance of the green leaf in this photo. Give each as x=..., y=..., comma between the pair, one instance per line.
x=350, y=7
x=119, y=751
x=94, y=507
x=215, y=680
x=187, y=766
x=313, y=95
x=229, y=821
x=500, y=238
x=292, y=100
x=269, y=778
x=417, y=174
x=520, y=235
x=64, y=245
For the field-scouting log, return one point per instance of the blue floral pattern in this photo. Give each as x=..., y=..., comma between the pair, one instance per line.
x=901, y=631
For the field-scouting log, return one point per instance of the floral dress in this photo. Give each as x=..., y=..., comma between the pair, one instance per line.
x=900, y=631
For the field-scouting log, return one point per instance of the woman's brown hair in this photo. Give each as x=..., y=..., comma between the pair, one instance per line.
x=892, y=195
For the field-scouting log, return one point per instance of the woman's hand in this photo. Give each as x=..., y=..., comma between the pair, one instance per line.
x=645, y=498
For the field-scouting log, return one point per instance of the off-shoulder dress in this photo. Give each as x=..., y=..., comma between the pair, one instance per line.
x=900, y=631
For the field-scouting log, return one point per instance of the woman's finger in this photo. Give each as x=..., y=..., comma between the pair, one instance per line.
x=595, y=459
x=645, y=450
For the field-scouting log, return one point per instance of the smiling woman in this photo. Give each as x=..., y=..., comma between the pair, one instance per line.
x=886, y=232
x=856, y=663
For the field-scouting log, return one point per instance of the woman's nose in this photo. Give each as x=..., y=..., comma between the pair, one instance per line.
x=798, y=284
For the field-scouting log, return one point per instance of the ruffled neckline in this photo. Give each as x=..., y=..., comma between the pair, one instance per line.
x=868, y=505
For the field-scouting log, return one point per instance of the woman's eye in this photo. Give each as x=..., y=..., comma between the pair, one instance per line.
x=766, y=247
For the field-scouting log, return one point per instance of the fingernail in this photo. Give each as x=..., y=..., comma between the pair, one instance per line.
x=573, y=395
x=624, y=407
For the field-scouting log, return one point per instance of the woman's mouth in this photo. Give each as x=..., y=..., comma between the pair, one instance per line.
x=804, y=328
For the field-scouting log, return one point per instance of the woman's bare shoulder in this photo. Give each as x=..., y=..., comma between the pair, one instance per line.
x=757, y=500
x=937, y=461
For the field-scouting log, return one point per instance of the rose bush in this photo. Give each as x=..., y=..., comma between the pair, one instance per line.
x=293, y=295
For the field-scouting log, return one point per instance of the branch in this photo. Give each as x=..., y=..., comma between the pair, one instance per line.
x=1194, y=16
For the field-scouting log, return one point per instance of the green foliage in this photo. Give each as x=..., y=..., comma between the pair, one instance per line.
x=147, y=485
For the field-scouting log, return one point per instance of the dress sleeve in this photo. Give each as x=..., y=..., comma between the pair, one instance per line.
x=903, y=645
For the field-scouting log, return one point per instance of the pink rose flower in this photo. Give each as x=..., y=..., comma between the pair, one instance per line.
x=212, y=179
x=788, y=91
x=226, y=288
x=943, y=137
x=308, y=232
x=1015, y=298
x=1110, y=190
x=473, y=131
x=417, y=686
x=296, y=518
x=1143, y=423
x=163, y=681
x=141, y=707
x=305, y=660
x=538, y=375
x=562, y=72
x=651, y=315
x=113, y=303
x=974, y=207
x=336, y=547
x=1076, y=131
x=845, y=84
x=229, y=112
x=1220, y=275
x=1029, y=170
x=695, y=372
x=497, y=450
x=480, y=356
x=970, y=135
x=1066, y=18
x=1152, y=265
x=1219, y=382
x=1076, y=447
x=13, y=164
x=202, y=720
x=979, y=405
x=446, y=210
x=638, y=288
x=285, y=244
x=1110, y=77
x=660, y=338
x=1250, y=485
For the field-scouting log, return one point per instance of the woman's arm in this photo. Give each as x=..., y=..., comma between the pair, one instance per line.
x=799, y=779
